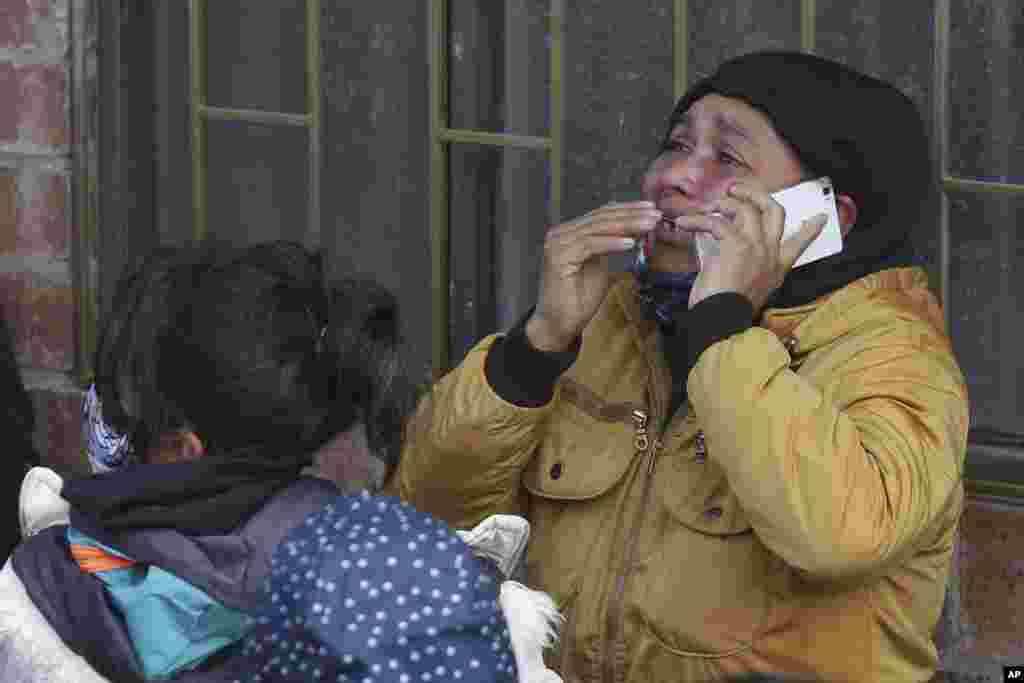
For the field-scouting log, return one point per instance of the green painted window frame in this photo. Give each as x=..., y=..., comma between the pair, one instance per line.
x=951, y=183
x=84, y=186
x=441, y=137
x=201, y=112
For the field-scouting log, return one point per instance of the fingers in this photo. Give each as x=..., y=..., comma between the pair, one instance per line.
x=720, y=226
x=633, y=219
x=763, y=216
x=600, y=245
x=793, y=247
x=565, y=259
x=747, y=218
x=757, y=197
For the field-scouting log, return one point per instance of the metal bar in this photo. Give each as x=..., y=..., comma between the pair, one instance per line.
x=995, y=489
x=314, y=60
x=437, y=32
x=478, y=137
x=680, y=47
x=269, y=118
x=940, y=124
x=83, y=192
x=556, y=107
x=953, y=184
x=197, y=59
x=808, y=25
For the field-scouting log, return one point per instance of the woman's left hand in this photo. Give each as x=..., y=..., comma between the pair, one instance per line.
x=752, y=258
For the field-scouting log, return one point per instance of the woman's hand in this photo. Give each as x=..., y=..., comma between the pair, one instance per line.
x=575, y=276
x=752, y=259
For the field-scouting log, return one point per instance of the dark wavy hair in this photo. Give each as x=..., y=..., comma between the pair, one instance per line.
x=126, y=351
x=260, y=351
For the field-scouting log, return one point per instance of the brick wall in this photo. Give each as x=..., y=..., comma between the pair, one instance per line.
x=37, y=291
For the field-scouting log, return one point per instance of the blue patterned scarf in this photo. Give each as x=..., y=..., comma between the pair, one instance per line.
x=106, y=448
x=662, y=294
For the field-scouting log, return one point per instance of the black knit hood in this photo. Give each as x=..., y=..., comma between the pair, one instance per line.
x=863, y=133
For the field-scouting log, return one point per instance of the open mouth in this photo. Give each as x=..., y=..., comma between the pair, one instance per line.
x=666, y=227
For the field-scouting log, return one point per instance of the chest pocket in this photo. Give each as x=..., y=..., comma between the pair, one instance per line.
x=575, y=485
x=587, y=450
x=727, y=587
x=695, y=492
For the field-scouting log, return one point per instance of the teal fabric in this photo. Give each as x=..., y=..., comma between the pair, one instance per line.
x=173, y=625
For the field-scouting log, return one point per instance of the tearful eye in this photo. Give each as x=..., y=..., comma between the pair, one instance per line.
x=678, y=146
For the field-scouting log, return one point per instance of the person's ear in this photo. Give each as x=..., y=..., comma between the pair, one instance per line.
x=175, y=446
x=847, y=209
x=190, y=447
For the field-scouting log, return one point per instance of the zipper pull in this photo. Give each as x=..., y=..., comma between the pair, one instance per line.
x=700, y=447
x=653, y=457
x=642, y=441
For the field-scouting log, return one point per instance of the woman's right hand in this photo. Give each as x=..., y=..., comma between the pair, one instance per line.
x=575, y=275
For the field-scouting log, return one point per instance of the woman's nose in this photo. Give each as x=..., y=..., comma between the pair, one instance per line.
x=696, y=173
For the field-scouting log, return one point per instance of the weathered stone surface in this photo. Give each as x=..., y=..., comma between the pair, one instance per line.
x=375, y=198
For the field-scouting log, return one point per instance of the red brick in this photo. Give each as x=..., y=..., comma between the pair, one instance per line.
x=11, y=96
x=15, y=24
x=64, y=434
x=18, y=19
x=992, y=580
x=40, y=113
x=43, y=104
x=42, y=225
x=43, y=318
x=42, y=8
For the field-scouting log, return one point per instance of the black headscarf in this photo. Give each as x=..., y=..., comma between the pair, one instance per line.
x=862, y=132
x=213, y=495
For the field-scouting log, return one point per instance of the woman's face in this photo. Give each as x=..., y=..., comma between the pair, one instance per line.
x=718, y=141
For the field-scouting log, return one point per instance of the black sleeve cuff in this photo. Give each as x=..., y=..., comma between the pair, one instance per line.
x=523, y=375
x=718, y=317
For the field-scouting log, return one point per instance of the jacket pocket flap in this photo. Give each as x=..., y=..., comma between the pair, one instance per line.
x=581, y=457
x=698, y=495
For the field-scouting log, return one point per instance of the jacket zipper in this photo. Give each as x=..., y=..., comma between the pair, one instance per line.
x=648, y=445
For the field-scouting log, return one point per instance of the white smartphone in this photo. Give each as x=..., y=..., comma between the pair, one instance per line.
x=801, y=202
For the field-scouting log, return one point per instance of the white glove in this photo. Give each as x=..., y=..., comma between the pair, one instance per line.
x=39, y=503
x=532, y=616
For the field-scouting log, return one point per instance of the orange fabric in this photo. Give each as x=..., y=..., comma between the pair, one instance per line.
x=93, y=560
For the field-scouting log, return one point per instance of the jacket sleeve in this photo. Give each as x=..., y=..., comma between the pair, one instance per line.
x=468, y=444
x=844, y=478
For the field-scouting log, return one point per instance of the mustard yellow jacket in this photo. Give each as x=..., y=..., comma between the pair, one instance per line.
x=797, y=515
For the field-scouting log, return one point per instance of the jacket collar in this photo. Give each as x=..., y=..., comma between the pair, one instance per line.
x=813, y=325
